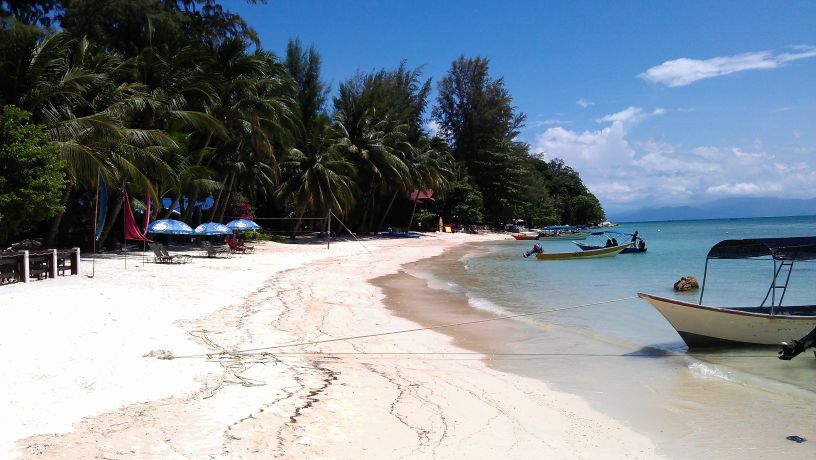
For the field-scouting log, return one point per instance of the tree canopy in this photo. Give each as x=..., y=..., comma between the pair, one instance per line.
x=179, y=100
x=31, y=174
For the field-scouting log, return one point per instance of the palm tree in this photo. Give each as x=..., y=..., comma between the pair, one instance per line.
x=318, y=178
x=258, y=109
x=372, y=145
x=66, y=84
x=430, y=167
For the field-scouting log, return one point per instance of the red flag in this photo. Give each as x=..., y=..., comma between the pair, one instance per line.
x=131, y=230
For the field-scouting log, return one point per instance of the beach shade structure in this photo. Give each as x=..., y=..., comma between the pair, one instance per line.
x=169, y=227
x=243, y=224
x=212, y=228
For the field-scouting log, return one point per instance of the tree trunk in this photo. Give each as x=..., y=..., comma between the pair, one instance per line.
x=109, y=226
x=218, y=198
x=413, y=210
x=172, y=206
x=226, y=200
x=387, y=210
x=188, y=211
x=57, y=219
x=300, y=220
x=372, y=215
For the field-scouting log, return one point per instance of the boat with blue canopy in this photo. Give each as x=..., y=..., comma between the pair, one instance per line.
x=561, y=233
x=609, y=238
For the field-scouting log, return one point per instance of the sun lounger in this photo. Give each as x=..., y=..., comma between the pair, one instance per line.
x=162, y=256
x=180, y=259
x=213, y=251
x=8, y=270
x=236, y=245
x=158, y=256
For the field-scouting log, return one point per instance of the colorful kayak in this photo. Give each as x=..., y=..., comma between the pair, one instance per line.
x=590, y=254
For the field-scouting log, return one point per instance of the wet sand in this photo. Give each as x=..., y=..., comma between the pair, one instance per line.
x=686, y=405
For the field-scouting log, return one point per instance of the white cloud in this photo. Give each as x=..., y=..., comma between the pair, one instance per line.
x=627, y=114
x=540, y=123
x=685, y=71
x=740, y=188
x=628, y=174
x=584, y=103
x=433, y=127
x=630, y=115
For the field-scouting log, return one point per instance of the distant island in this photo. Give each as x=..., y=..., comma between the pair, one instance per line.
x=726, y=208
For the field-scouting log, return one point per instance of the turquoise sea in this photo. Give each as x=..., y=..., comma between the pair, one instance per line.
x=625, y=359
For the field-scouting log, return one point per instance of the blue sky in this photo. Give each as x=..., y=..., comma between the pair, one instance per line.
x=653, y=103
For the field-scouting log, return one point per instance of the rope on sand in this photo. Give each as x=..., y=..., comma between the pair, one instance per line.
x=248, y=351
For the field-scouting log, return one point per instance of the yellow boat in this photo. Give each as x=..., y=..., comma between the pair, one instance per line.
x=611, y=251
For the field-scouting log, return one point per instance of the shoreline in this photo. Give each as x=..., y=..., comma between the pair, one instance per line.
x=313, y=401
x=661, y=396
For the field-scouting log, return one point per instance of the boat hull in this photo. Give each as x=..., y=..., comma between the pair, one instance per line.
x=630, y=250
x=703, y=326
x=523, y=236
x=572, y=236
x=591, y=254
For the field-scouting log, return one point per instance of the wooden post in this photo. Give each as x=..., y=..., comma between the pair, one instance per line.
x=52, y=266
x=75, y=262
x=328, y=230
x=24, y=272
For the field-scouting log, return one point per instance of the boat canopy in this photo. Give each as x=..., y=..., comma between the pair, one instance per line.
x=560, y=227
x=611, y=232
x=794, y=248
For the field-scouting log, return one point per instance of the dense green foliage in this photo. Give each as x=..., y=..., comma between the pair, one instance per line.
x=475, y=115
x=31, y=176
x=177, y=99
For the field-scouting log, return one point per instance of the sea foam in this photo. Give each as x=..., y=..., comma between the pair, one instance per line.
x=485, y=305
x=706, y=371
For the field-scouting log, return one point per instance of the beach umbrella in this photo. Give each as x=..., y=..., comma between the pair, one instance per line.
x=169, y=227
x=212, y=228
x=243, y=224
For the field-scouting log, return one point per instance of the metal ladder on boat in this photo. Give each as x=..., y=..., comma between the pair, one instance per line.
x=772, y=290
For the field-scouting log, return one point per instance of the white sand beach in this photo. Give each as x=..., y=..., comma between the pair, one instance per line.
x=82, y=378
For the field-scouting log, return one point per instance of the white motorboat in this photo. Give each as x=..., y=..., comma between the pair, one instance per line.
x=770, y=323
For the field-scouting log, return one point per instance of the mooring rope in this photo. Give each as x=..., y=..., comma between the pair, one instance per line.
x=403, y=331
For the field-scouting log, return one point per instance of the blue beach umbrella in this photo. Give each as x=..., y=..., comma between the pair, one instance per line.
x=212, y=228
x=243, y=224
x=169, y=227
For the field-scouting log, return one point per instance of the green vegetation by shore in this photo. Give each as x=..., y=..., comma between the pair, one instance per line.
x=179, y=100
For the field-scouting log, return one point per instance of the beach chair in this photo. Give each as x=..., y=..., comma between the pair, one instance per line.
x=178, y=259
x=160, y=257
x=8, y=269
x=237, y=245
x=213, y=251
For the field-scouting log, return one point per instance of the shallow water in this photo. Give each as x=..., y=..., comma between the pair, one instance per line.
x=625, y=359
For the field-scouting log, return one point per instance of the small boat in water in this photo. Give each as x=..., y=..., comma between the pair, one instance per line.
x=770, y=323
x=525, y=236
x=607, y=238
x=590, y=254
x=395, y=234
x=561, y=233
